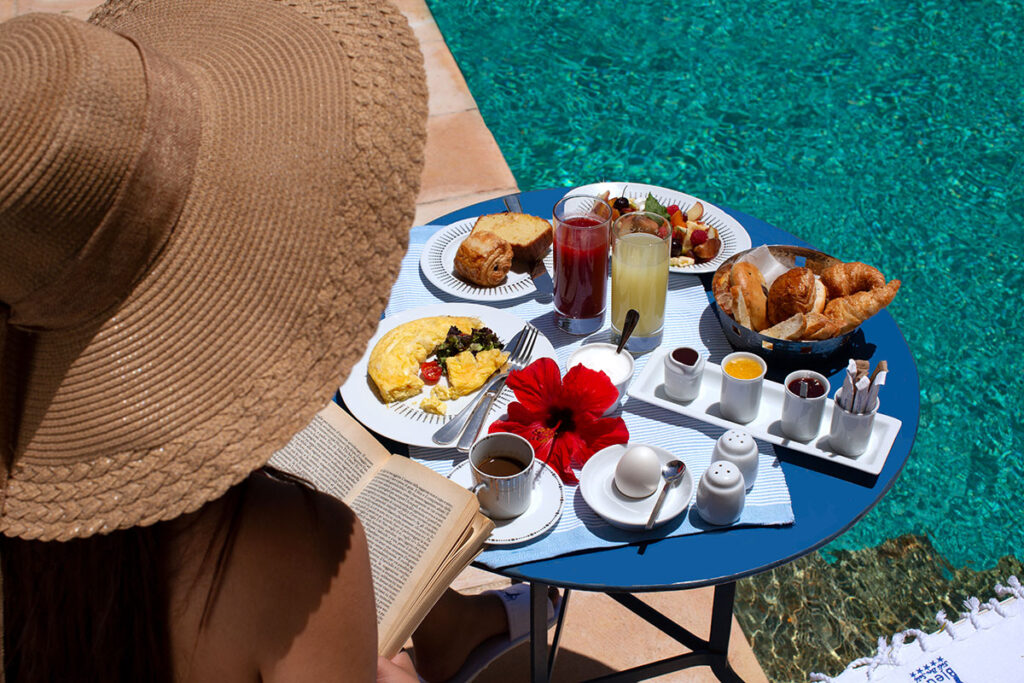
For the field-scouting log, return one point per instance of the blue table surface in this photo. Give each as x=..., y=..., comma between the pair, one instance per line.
x=827, y=500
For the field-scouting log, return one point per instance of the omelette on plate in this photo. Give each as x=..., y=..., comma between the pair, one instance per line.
x=395, y=360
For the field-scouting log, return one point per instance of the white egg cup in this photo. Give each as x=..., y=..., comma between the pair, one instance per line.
x=720, y=494
x=740, y=449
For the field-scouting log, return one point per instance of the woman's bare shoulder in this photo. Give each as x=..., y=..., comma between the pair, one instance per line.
x=297, y=591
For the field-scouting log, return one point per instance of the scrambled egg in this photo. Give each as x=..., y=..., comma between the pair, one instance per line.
x=467, y=373
x=433, y=404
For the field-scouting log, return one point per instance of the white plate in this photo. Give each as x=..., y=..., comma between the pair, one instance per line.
x=734, y=238
x=544, y=511
x=597, y=485
x=438, y=265
x=650, y=387
x=405, y=421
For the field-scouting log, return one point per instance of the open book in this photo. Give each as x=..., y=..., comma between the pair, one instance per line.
x=422, y=528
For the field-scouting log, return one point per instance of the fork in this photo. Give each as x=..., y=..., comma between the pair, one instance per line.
x=516, y=362
x=449, y=432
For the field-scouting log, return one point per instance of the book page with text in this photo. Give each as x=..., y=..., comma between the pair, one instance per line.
x=334, y=453
x=412, y=517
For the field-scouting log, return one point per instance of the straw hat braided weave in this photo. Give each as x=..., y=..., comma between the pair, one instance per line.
x=203, y=207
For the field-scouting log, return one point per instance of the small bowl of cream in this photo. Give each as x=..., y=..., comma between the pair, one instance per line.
x=603, y=358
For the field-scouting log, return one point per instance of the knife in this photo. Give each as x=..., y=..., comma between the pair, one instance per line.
x=476, y=423
x=538, y=273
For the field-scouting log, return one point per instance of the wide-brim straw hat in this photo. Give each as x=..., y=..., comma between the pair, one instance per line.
x=203, y=207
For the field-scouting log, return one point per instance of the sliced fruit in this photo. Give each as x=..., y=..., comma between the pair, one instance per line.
x=695, y=212
x=707, y=251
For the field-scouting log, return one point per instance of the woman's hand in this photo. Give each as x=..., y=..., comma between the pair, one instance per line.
x=398, y=669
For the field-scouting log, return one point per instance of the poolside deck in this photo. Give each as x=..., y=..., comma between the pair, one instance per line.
x=464, y=165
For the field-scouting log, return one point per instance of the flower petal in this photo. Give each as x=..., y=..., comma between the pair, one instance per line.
x=598, y=434
x=537, y=385
x=588, y=392
x=562, y=454
x=539, y=436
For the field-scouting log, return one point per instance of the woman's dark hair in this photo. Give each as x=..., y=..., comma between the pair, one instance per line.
x=97, y=608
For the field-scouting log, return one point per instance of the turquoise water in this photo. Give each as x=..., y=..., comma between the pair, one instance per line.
x=888, y=132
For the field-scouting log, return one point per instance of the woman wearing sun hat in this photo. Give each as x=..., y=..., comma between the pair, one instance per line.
x=203, y=207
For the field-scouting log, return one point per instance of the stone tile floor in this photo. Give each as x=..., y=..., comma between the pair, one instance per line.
x=464, y=165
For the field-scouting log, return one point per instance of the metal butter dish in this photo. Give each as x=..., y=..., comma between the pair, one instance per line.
x=767, y=425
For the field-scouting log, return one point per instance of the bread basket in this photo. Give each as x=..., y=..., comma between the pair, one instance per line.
x=789, y=352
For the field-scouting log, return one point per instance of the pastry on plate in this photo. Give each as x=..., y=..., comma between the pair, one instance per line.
x=484, y=259
x=395, y=360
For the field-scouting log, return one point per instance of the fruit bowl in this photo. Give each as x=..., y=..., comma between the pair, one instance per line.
x=787, y=351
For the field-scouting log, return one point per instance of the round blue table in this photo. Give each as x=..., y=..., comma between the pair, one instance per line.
x=826, y=502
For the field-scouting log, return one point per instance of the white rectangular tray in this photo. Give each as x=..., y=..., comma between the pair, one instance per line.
x=650, y=388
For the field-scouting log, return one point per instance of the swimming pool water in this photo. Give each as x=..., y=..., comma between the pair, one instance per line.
x=888, y=132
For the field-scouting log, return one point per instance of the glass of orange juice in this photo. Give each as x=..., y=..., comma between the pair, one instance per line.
x=641, y=243
x=742, y=381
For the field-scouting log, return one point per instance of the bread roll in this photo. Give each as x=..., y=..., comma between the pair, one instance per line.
x=792, y=292
x=748, y=283
x=484, y=259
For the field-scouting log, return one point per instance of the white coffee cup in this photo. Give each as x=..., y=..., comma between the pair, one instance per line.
x=741, y=398
x=503, y=493
x=602, y=357
x=851, y=432
x=801, y=416
x=682, y=380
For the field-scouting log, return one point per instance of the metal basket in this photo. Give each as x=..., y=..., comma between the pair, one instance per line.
x=788, y=352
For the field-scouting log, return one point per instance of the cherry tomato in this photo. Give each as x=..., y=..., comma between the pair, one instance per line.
x=430, y=371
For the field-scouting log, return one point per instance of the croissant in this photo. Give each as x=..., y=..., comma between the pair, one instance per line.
x=483, y=258
x=850, y=311
x=795, y=291
x=721, y=288
x=844, y=279
x=747, y=284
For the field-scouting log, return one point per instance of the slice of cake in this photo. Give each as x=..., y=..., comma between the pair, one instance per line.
x=529, y=236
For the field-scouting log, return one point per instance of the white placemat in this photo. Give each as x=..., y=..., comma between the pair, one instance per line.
x=689, y=321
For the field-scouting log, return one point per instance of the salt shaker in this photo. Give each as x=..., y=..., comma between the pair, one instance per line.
x=720, y=494
x=740, y=449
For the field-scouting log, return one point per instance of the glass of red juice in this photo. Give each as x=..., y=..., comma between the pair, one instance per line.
x=582, y=226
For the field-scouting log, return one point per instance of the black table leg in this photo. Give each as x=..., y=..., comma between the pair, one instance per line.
x=713, y=652
x=721, y=627
x=538, y=632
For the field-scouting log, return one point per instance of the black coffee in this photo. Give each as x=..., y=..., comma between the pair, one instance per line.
x=501, y=466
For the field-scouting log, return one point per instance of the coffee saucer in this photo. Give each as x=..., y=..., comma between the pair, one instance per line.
x=544, y=511
x=597, y=485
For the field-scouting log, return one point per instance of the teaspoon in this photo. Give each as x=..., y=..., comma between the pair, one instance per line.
x=671, y=472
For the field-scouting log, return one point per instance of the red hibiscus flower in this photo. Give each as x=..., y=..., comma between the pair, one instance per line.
x=561, y=418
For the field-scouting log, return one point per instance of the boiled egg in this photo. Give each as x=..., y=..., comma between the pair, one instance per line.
x=638, y=472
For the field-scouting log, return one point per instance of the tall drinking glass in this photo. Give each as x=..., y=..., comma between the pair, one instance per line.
x=581, y=224
x=641, y=243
